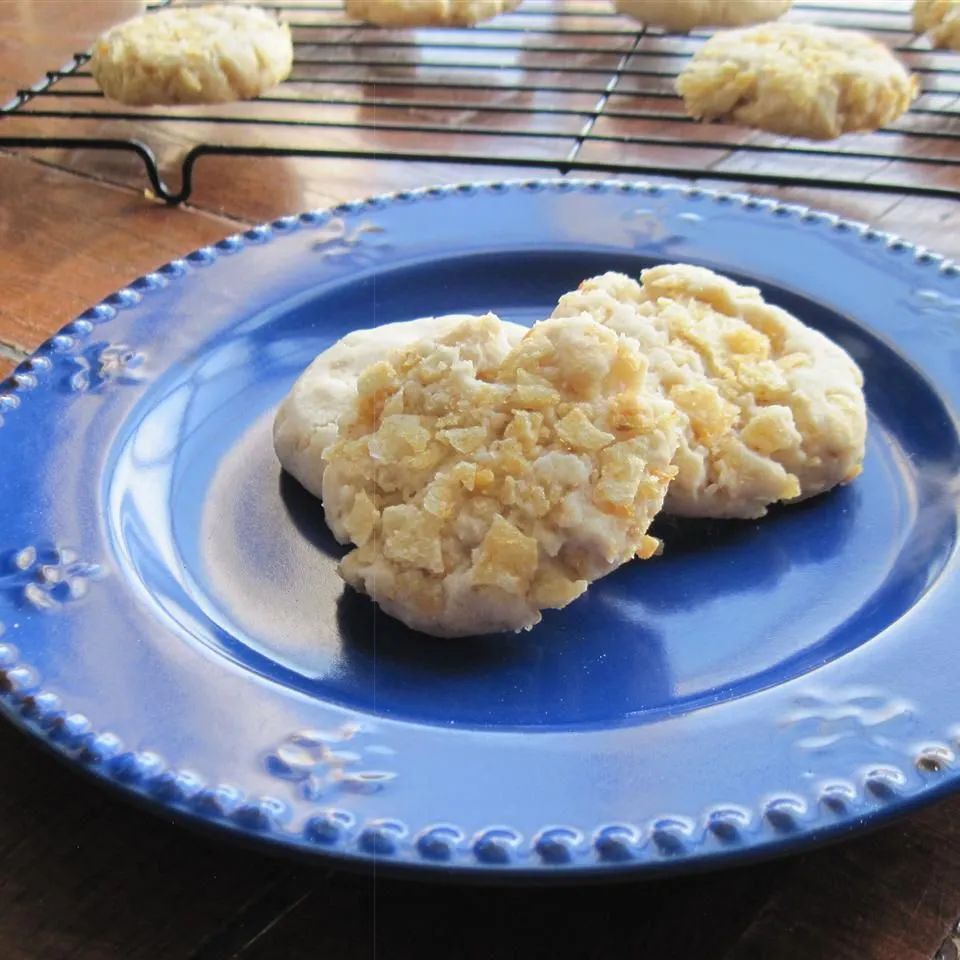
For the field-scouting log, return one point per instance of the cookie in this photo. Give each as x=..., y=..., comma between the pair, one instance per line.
x=427, y=13
x=940, y=20
x=798, y=80
x=306, y=422
x=683, y=15
x=478, y=494
x=771, y=409
x=192, y=55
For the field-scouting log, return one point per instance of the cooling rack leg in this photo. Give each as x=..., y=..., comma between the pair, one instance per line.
x=157, y=184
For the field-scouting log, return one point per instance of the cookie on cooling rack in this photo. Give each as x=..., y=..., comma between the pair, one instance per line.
x=940, y=20
x=770, y=409
x=427, y=13
x=684, y=15
x=797, y=79
x=210, y=54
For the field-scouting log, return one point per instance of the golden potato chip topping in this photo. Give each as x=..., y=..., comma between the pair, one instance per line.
x=770, y=409
x=481, y=486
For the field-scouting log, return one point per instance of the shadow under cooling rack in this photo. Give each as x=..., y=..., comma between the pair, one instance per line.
x=561, y=84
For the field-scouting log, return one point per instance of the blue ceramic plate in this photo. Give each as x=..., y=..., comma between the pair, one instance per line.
x=174, y=623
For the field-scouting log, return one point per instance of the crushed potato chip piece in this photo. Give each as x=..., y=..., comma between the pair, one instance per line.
x=399, y=435
x=554, y=592
x=362, y=519
x=710, y=415
x=506, y=558
x=622, y=470
x=577, y=431
x=771, y=429
x=466, y=439
x=649, y=547
x=411, y=537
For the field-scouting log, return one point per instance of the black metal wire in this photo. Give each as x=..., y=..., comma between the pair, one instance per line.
x=448, y=90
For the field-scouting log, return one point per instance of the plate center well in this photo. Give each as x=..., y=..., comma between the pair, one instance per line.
x=238, y=556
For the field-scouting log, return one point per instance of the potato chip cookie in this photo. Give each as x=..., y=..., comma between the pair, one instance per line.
x=771, y=409
x=479, y=494
x=306, y=422
x=683, y=15
x=192, y=55
x=940, y=20
x=427, y=13
x=798, y=80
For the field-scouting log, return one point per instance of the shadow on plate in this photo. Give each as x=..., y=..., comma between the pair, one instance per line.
x=755, y=554
x=306, y=512
x=568, y=670
x=361, y=623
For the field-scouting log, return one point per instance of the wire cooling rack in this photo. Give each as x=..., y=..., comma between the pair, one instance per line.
x=562, y=84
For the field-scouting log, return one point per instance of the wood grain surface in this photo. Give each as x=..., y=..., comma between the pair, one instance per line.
x=83, y=876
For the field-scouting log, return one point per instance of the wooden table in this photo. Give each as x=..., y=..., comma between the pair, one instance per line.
x=83, y=876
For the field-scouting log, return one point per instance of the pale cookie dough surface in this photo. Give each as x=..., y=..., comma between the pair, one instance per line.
x=940, y=20
x=306, y=421
x=683, y=15
x=798, y=80
x=194, y=55
x=427, y=13
x=771, y=409
x=479, y=493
